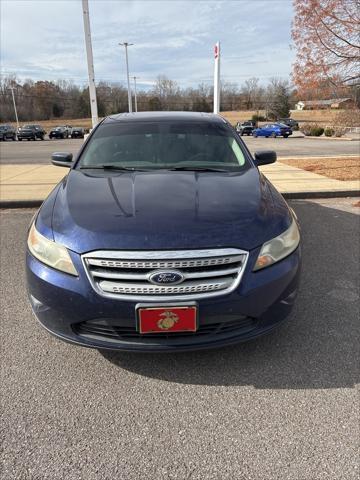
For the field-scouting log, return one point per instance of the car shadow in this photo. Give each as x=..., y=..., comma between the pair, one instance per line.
x=316, y=348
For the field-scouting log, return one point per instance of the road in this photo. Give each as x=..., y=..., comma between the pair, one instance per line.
x=40, y=152
x=283, y=407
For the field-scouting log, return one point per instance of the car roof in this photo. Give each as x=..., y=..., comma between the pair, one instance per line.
x=165, y=117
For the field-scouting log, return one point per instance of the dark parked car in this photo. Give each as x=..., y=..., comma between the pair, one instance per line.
x=7, y=132
x=272, y=130
x=245, y=128
x=164, y=235
x=31, y=132
x=58, y=132
x=77, y=132
x=290, y=123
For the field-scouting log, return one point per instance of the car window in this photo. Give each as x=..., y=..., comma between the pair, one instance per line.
x=154, y=145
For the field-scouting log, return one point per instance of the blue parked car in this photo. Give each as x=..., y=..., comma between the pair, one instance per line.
x=163, y=236
x=273, y=130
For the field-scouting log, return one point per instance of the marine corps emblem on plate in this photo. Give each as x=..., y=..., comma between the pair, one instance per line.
x=168, y=321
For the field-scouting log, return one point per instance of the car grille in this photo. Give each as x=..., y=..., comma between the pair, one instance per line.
x=101, y=329
x=125, y=274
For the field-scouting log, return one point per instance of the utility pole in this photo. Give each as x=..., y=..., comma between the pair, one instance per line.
x=90, y=64
x=126, y=45
x=16, y=115
x=217, y=78
x=135, y=94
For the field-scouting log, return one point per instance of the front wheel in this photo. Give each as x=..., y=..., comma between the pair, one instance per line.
x=42, y=137
x=285, y=136
x=20, y=139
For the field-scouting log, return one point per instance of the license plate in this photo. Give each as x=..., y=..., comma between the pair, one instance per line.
x=167, y=319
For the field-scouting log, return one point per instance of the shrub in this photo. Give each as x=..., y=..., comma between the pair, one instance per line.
x=317, y=131
x=258, y=118
x=311, y=129
x=329, y=132
x=339, y=131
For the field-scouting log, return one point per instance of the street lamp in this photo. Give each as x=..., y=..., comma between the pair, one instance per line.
x=135, y=95
x=126, y=45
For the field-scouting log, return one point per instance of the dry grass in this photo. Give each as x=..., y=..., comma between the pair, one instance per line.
x=323, y=117
x=48, y=124
x=341, y=168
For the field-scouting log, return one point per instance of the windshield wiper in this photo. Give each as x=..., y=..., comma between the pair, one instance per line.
x=112, y=167
x=198, y=169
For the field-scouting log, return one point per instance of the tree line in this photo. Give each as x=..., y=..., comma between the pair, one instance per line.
x=44, y=100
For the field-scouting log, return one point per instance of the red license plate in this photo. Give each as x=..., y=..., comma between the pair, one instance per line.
x=167, y=319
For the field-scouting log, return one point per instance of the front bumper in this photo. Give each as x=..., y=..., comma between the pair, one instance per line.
x=64, y=304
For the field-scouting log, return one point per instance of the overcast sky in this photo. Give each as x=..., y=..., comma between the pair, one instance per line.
x=44, y=39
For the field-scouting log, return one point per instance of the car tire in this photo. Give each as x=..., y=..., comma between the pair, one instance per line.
x=285, y=136
x=42, y=137
x=13, y=138
x=255, y=135
x=20, y=139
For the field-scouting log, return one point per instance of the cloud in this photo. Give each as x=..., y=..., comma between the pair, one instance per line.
x=45, y=39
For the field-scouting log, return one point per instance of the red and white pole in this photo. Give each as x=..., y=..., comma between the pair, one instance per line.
x=217, y=78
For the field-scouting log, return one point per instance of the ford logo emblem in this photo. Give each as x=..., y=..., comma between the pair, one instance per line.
x=166, y=277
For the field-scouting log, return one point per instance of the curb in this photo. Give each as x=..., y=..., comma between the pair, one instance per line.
x=330, y=138
x=20, y=203
x=288, y=195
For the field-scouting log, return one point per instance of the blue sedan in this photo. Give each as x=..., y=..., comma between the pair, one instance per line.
x=163, y=236
x=273, y=130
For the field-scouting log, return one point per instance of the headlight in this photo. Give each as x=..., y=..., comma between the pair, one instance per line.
x=279, y=247
x=49, y=252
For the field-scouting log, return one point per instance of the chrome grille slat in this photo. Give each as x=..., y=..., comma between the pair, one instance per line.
x=103, y=273
x=149, y=289
x=125, y=274
x=206, y=262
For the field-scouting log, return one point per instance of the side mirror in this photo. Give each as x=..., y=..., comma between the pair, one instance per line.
x=62, y=159
x=264, y=157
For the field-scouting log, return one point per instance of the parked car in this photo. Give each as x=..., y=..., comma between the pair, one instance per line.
x=245, y=128
x=31, y=132
x=7, y=132
x=272, y=130
x=164, y=236
x=78, y=132
x=58, y=132
x=290, y=122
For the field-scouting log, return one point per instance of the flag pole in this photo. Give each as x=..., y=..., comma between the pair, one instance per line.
x=217, y=78
x=90, y=63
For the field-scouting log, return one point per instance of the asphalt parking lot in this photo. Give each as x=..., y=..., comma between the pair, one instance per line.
x=282, y=407
x=40, y=152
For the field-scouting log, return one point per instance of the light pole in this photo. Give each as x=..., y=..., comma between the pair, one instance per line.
x=126, y=45
x=16, y=115
x=135, y=95
x=90, y=62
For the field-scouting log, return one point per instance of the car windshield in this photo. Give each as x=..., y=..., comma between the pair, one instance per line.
x=3, y=127
x=29, y=126
x=164, y=145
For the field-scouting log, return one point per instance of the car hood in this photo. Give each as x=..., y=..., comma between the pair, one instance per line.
x=165, y=210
